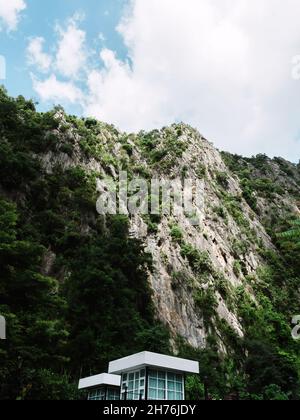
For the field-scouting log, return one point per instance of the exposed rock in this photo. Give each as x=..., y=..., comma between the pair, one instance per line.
x=230, y=233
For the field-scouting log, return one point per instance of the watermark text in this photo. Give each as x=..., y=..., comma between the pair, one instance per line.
x=2, y=328
x=296, y=67
x=296, y=329
x=2, y=68
x=162, y=197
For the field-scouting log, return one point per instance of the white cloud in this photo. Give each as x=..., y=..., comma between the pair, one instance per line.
x=54, y=90
x=102, y=37
x=10, y=13
x=71, y=53
x=64, y=66
x=223, y=66
x=36, y=56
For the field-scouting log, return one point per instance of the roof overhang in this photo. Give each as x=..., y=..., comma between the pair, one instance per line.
x=100, y=380
x=155, y=360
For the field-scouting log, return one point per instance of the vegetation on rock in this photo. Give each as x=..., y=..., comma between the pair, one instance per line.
x=73, y=283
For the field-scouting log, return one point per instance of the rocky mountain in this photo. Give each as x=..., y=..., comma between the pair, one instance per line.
x=223, y=290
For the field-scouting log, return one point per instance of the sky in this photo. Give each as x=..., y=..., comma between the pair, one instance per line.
x=230, y=68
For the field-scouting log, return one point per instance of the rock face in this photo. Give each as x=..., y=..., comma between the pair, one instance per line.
x=214, y=235
x=197, y=267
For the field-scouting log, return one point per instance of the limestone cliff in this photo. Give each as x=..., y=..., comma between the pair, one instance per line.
x=197, y=268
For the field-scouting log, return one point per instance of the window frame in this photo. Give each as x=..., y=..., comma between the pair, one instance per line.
x=168, y=383
x=137, y=390
x=97, y=394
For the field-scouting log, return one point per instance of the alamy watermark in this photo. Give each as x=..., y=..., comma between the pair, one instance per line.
x=296, y=329
x=2, y=328
x=162, y=197
x=2, y=68
x=296, y=67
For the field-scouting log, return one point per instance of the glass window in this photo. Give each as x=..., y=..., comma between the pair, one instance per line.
x=134, y=386
x=100, y=394
x=130, y=396
x=113, y=394
x=153, y=383
x=171, y=395
x=152, y=394
x=178, y=387
x=171, y=377
x=171, y=385
x=165, y=385
x=153, y=374
x=161, y=384
x=161, y=375
x=161, y=395
x=96, y=394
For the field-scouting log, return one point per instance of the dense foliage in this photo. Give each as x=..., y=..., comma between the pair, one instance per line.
x=272, y=366
x=73, y=285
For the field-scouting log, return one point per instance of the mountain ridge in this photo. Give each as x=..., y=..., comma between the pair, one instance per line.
x=215, y=289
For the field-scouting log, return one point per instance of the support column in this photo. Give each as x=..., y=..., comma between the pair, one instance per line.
x=146, y=382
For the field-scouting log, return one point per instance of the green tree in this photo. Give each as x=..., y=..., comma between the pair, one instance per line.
x=293, y=234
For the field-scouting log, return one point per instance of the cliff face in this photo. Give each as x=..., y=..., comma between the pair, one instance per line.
x=175, y=281
x=215, y=283
x=197, y=268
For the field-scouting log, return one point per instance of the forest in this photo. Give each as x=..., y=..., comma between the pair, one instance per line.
x=74, y=283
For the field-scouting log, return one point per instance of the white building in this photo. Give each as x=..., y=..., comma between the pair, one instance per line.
x=142, y=376
x=101, y=387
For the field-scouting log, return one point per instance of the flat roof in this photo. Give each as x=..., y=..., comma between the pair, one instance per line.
x=155, y=360
x=98, y=380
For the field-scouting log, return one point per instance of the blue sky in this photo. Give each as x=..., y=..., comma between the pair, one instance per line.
x=39, y=19
x=230, y=68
